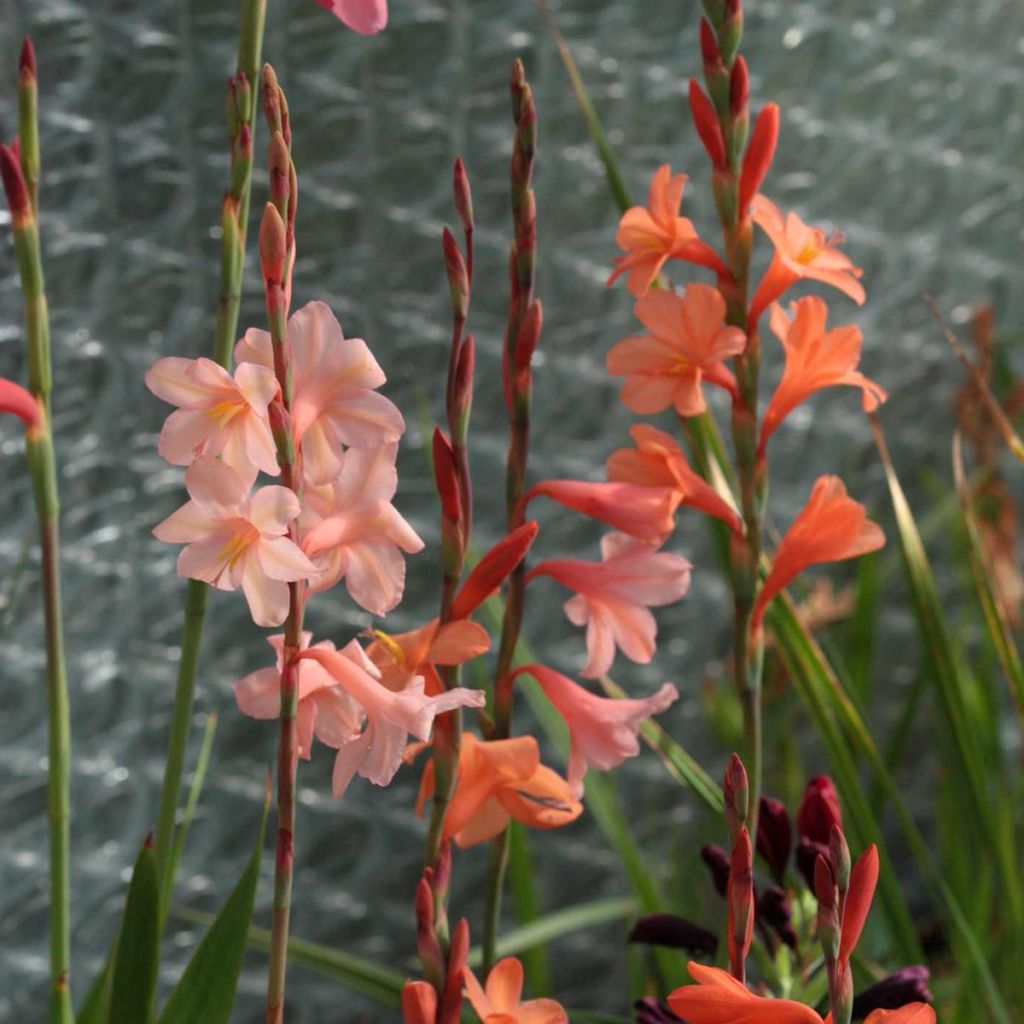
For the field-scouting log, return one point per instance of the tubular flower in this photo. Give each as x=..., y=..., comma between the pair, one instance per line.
x=657, y=461
x=233, y=539
x=801, y=251
x=334, y=397
x=614, y=596
x=376, y=752
x=401, y=656
x=499, y=1002
x=651, y=235
x=16, y=400
x=602, y=731
x=367, y=17
x=646, y=513
x=815, y=359
x=500, y=780
x=718, y=998
x=217, y=414
x=352, y=530
x=325, y=709
x=687, y=344
x=830, y=528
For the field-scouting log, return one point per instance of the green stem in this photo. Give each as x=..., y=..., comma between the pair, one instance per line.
x=497, y=864
x=232, y=264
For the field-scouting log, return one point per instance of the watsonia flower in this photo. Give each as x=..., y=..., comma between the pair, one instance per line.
x=500, y=1000
x=367, y=17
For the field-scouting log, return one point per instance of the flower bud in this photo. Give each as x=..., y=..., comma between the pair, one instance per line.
x=705, y=120
x=909, y=985
x=463, y=195
x=774, y=835
x=451, y=998
x=19, y=402
x=736, y=792
x=527, y=340
x=759, y=155
x=279, y=165
x=731, y=30
x=272, y=245
x=270, y=95
x=774, y=910
x=428, y=947
x=819, y=811
x=740, y=900
x=462, y=388
x=17, y=191
x=493, y=569
x=446, y=478
x=828, y=909
x=458, y=276
x=807, y=852
x=717, y=862
x=673, y=932
x=419, y=1003
x=839, y=859
x=27, y=61
x=739, y=88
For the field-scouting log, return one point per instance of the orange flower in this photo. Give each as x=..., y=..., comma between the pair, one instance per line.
x=499, y=1002
x=815, y=359
x=912, y=1013
x=657, y=461
x=687, y=343
x=500, y=780
x=718, y=998
x=801, y=251
x=650, y=236
x=830, y=528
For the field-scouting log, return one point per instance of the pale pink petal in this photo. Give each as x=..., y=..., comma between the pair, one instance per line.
x=256, y=347
x=273, y=508
x=375, y=576
x=349, y=758
x=211, y=483
x=204, y=560
x=282, y=559
x=338, y=717
x=184, y=525
x=258, y=384
x=258, y=695
x=322, y=458
x=384, y=756
x=187, y=382
x=305, y=719
x=268, y=598
x=183, y=436
x=365, y=419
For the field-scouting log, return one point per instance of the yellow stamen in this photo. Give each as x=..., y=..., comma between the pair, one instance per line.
x=390, y=644
x=237, y=546
x=224, y=412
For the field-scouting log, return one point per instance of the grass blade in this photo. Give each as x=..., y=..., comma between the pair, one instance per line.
x=133, y=986
x=527, y=908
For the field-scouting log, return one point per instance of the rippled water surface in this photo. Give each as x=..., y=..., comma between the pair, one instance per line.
x=901, y=124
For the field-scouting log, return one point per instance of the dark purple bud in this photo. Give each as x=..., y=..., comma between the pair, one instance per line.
x=819, y=810
x=909, y=985
x=651, y=1011
x=674, y=932
x=774, y=835
x=773, y=909
x=717, y=861
x=807, y=852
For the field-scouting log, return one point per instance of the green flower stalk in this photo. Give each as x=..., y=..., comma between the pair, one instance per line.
x=19, y=168
x=241, y=120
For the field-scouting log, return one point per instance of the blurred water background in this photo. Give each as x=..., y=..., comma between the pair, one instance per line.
x=901, y=125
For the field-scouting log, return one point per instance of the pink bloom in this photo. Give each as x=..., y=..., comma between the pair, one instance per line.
x=367, y=17
x=325, y=709
x=352, y=530
x=499, y=1001
x=15, y=399
x=815, y=359
x=236, y=540
x=217, y=414
x=602, y=731
x=376, y=752
x=642, y=512
x=613, y=597
x=334, y=396
x=686, y=344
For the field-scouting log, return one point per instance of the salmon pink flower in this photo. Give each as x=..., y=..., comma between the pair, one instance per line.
x=718, y=998
x=830, y=528
x=657, y=461
x=334, y=390
x=642, y=512
x=236, y=540
x=650, y=236
x=602, y=731
x=499, y=1001
x=801, y=251
x=815, y=359
x=217, y=414
x=687, y=344
x=912, y=1013
x=376, y=752
x=325, y=709
x=16, y=400
x=350, y=529
x=499, y=780
x=367, y=17
x=614, y=596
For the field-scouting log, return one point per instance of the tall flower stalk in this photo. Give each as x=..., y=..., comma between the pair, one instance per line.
x=522, y=332
x=19, y=166
x=241, y=117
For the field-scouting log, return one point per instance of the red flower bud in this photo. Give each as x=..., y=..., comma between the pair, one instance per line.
x=737, y=796
x=674, y=933
x=458, y=277
x=462, y=381
x=740, y=900
x=272, y=245
x=458, y=952
x=706, y=123
x=463, y=195
x=493, y=569
x=807, y=854
x=419, y=1003
x=774, y=910
x=839, y=858
x=15, y=187
x=739, y=88
x=16, y=400
x=528, y=337
x=709, y=44
x=717, y=862
x=819, y=811
x=774, y=835
x=446, y=477
x=759, y=155
x=27, y=60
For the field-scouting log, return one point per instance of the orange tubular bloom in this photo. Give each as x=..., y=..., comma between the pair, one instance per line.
x=831, y=527
x=653, y=235
x=493, y=569
x=912, y=1013
x=687, y=343
x=499, y=1002
x=863, y=879
x=801, y=251
x=500, y=780
x=815, y=359
x=657, y=461
x=718, y=998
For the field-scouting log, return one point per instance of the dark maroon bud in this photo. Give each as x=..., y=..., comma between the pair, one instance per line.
x=774, y=835
x=819, y=811
x=807, y=852
x=717, y=861
x=773, y=909
x=909, y=985
x=674, y=932
x=651, y=1011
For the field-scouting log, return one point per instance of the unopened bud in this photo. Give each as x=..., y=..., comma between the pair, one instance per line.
x=419, y=1003
x=462, y=387
x=674, y=933
x=740, y=900
x=828, y=909
x=739, y=88
x=909, y=985
x=463, y=195
x=839, y=858
x=27, y=60
x=736, y=792
x=819, y=810
x=759, y=155
x=270, y=96
x=279, y=164
x=446, y=478
x=272, y=245
x=17, y=191
x=773, y=909
x=528, y=337
x=708, y=44
x=730, y=32
x=427, y=945
x=807, y=853
x=774, y=835
x=717, y=863
x=458, y=276
x=451, y=998
x=705, y=120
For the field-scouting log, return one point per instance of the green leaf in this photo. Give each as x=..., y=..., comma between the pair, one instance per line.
x=527, y=908
x=133, y=985
x=206, y=991
x=96, y=1007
